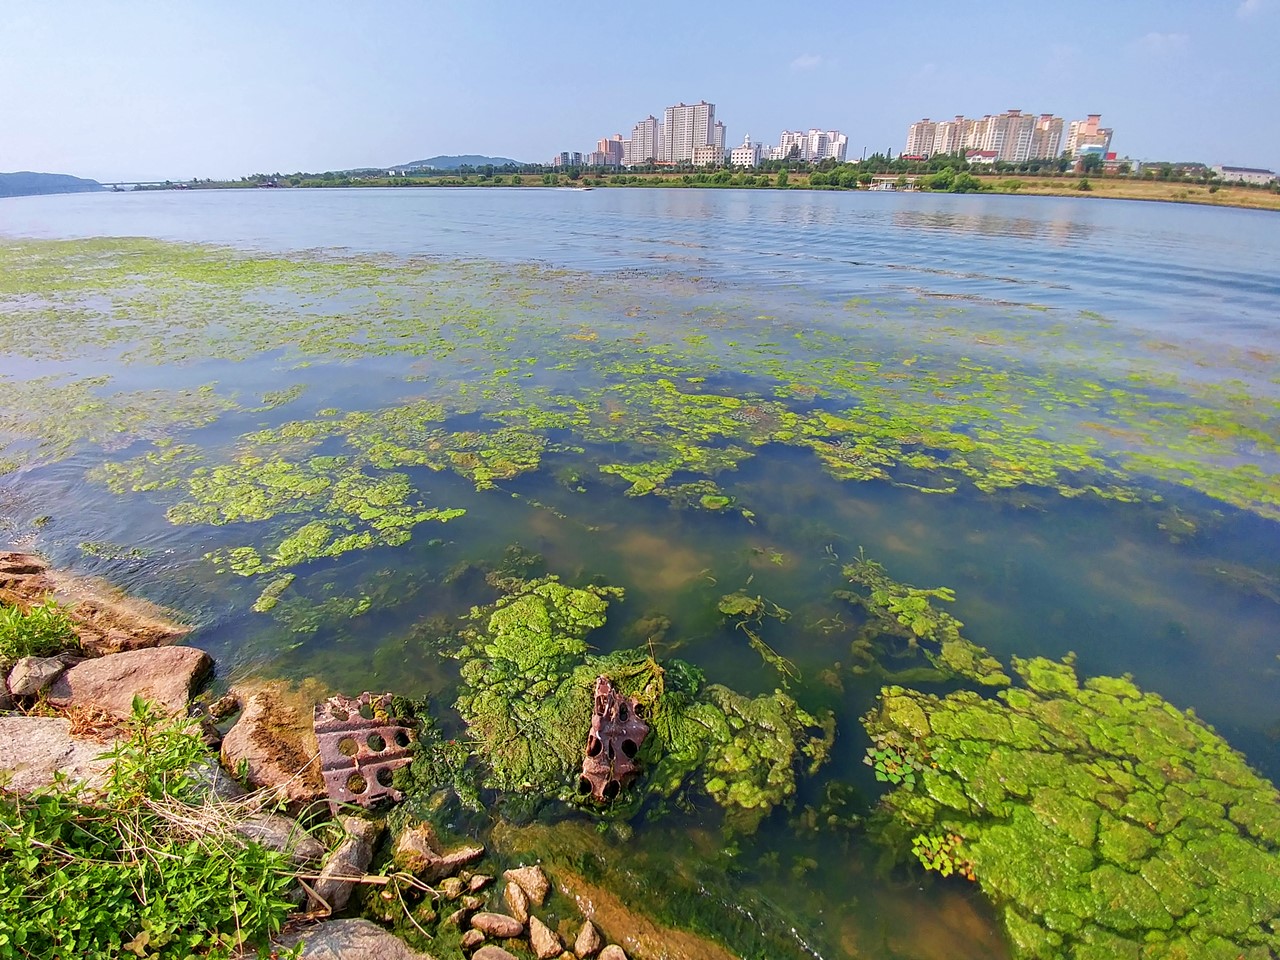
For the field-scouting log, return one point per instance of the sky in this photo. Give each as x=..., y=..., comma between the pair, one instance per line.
x=135, y=90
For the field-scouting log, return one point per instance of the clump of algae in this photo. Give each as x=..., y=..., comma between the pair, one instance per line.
x=1103, y=821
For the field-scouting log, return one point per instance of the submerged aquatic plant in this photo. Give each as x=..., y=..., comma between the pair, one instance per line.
x=1101, y=820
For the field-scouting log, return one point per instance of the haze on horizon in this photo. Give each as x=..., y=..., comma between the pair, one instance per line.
x=154, y=90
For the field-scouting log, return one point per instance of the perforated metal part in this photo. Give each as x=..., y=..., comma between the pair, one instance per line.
x=617, y=731
x=361, y=744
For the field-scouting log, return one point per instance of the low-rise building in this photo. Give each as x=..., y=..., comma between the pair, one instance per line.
x=1252, y=175
x=748, y=155
x=708, y=156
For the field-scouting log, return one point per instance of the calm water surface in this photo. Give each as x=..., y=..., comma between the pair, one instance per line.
x=1190, y=292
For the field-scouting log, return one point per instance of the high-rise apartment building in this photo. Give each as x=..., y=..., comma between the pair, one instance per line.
x=718, y=137
x=646, y=142
x=920, y=139
x=812, y=146
x=791, y=145
x=610, y=150
x=1013, y=136
x=685, y=127
x=1088, y=133
x=1046, y=137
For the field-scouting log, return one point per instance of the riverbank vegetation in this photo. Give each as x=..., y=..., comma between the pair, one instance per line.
x=1174, y=183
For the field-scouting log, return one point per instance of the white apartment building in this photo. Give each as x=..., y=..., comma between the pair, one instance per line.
x=718, y=136
x=646, y=142
x=748, y=155
x=813, y=145
x=687, y=126
x=1013, y=136
x=791, y=142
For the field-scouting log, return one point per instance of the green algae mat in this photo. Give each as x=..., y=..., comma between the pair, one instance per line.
x=1105, y=822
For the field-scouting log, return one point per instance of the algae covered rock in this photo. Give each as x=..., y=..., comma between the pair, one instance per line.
x=527, y=698
x=1103, y=821
x=527, y=703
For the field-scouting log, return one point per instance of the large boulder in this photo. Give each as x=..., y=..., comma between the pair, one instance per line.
x=276, y=742
x=105, y=620
x=350, y=940
x=166, y=676
x=33, y=749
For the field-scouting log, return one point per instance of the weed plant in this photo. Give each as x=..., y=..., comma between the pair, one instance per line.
x=41, y=631
x=137, y=868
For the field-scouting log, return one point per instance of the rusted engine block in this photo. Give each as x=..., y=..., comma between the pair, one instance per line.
x=617, y=731
x=361, y=744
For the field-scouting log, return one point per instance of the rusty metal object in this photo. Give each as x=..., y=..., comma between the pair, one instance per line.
x=361, y=743
x=617, y=731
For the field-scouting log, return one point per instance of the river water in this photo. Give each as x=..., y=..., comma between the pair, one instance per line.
x=731, y=293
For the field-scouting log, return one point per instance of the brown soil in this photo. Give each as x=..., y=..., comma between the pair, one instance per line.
x=105, y=619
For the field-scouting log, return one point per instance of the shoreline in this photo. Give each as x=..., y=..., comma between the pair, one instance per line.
x=1101, y=188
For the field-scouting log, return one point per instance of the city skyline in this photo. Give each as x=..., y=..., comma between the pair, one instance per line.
x=132, y=92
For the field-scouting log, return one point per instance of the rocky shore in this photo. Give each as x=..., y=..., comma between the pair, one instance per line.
x=59, y=716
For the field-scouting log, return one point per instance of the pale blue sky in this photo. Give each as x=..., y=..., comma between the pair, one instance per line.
x=124, y=89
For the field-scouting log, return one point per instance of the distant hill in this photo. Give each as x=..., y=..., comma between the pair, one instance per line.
x=453, y=163
x=27, y=184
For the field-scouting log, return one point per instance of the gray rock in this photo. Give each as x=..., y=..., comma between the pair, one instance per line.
x=533, y=881
x=351, y=940
x=497, y=925
x=32, y=749
x=589, y=940
x=30, y=675
x=213, y=783
x=283, y=835
x=351, y=858
x=543, y=939
x=613, y=952
x=490, y=952
x=472, y=939
x=478, y=882
x=165, y=675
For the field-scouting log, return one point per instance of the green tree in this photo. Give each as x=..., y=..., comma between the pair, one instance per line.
x=782, y=179
x=943, y=179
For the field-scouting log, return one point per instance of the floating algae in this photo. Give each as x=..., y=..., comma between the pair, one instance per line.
x=1103, y=821
x=912, y=407
x=528, y=682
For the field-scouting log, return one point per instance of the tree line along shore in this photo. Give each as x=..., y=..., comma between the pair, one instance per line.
x=891, y=176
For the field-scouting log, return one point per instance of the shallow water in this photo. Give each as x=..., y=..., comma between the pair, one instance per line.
x=496, y=302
